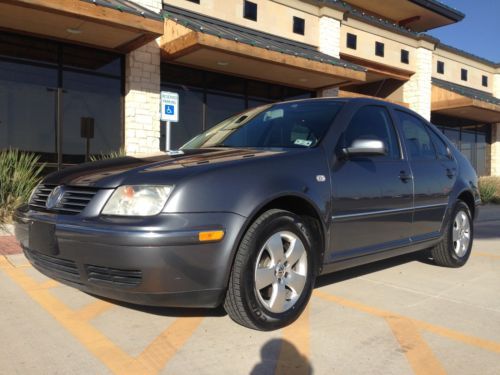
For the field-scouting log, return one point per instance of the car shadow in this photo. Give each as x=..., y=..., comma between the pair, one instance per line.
x=321, y=281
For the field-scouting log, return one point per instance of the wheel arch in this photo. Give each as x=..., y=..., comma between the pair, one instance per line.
x=298, y=204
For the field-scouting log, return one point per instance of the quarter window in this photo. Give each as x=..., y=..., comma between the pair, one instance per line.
x=372, y=122
x=417, y=139
x=250, y=11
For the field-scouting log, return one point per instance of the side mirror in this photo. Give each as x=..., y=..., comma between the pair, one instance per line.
x=365, y=147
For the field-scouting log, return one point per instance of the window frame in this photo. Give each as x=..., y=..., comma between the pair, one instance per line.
x=341, y=143
x=427, y=129
x=351, y=41
x=440, y=67
x=299, y=25
x=464, y=74
x=405, y=56
x=248, y=12
x=484, y=80
x=379, y=49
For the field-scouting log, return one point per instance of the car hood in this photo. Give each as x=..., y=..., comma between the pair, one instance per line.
x=164, y=168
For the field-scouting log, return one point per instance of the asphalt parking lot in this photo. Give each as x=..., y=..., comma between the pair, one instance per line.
x=400, y=316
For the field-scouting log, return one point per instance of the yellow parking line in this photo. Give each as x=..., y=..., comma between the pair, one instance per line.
x=294, y=355
x=92, y=310
x=164, y=347
x=442, y=331
x=151, y=361
x=419, y=354
x=49, y=284
x=483, y=254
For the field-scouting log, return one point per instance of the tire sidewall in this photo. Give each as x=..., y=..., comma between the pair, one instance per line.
x=459, y=261
x=280, y=221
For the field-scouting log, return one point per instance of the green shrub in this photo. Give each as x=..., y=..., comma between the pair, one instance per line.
x=19, y=175
x=115, y=154
x=489, y=188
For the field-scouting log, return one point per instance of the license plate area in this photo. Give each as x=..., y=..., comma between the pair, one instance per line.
x=42, y=238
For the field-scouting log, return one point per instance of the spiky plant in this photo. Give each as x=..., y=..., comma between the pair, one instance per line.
x=112, y=155
x=20, y=172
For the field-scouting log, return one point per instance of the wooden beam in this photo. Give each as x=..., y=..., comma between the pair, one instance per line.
x=348, y=94
x=172, y=49
x=94, y=13
x=384, y=70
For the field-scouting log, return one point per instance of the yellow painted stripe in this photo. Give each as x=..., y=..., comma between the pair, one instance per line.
x=151, y=361
x=92, y=310
x=48, y=284
x=442, y=331
x=164, y=347
x=295, y=348
x=483, y=254
x=419, y=354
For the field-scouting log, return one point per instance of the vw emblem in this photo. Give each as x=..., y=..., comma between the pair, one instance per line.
x=54, y=197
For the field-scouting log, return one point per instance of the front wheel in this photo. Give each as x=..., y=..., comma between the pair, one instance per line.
x=455, y=248
x=273, y=272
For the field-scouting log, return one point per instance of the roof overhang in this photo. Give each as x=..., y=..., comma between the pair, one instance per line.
x=418, y=15
x=450, y=103
x=203, y=50
x=82, y=22
x=376, y=71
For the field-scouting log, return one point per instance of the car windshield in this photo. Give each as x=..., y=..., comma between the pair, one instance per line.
x=284, y=125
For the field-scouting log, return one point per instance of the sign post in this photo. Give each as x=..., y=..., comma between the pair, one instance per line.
x=169, y=112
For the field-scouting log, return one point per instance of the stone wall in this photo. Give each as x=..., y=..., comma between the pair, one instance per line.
x=142, y=95
x=417, y=91
x=329, y=44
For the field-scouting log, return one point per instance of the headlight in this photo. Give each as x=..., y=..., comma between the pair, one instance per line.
x=137, y=200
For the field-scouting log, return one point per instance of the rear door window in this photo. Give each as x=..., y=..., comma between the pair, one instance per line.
x=417, y=139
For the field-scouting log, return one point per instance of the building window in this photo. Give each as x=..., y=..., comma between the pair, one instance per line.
x=463, y=74
x=299, y=25
x=405, y=56
x=485, y=81
x=379, y=49
x=440, y=67
x=250, y=11
x=352, y=41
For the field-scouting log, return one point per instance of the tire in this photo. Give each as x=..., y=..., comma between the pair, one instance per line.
x=455, y=247
x=270, y=257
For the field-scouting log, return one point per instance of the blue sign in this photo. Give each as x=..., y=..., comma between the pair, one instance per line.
x=170, y=110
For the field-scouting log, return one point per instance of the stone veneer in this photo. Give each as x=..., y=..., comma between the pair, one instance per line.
x=329, y=44
x=495, y=132
x=142, y=94
x=417, y=91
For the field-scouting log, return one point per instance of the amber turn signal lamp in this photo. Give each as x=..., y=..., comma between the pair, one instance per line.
x=213, y=235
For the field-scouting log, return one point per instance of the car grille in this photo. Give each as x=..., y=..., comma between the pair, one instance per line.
x=73, y=201
x=114, y=276
x=60, y=268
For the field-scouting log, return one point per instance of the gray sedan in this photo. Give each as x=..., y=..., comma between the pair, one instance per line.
x=248, y=213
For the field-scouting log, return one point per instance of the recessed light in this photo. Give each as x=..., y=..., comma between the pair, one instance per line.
x=73, y=31
x=222, y=63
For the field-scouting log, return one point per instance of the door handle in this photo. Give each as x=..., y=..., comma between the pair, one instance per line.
x=450, y=173
x=405, y=177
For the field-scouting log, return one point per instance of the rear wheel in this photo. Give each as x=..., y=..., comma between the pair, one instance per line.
x=273, y=273
x=455, y=248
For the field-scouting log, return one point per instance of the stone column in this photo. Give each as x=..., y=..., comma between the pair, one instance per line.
x=329, y=44
x=495, y=131
x=142, y=95
x=417, y=91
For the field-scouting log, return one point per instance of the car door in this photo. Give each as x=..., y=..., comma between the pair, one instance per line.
x=372, y=196
x=434, y=174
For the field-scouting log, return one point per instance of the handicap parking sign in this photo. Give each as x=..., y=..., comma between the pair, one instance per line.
x=169, y=106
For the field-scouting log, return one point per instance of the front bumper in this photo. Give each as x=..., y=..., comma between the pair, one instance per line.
x=150, y=261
